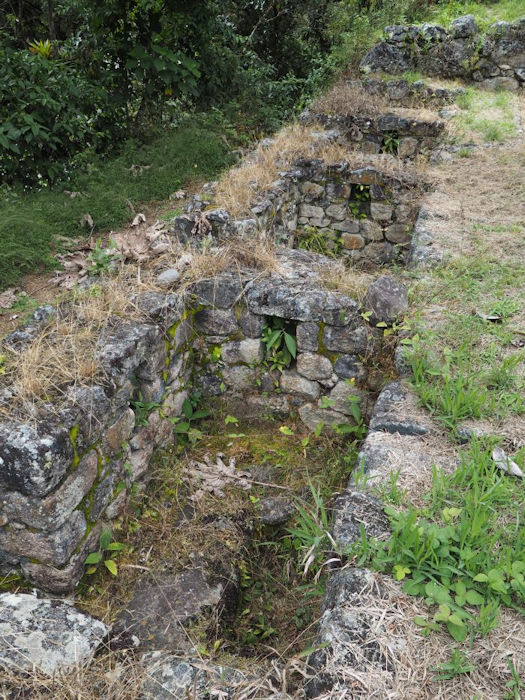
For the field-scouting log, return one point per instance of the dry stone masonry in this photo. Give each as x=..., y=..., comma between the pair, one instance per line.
x=495, y=59
x=363, y=215
x=67, y=471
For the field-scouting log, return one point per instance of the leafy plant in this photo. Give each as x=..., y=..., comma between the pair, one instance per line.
x=323, y=242
x=191, y=412
x=455, y=666
x=515, y=685
x=456, y=553
x=108, y=552
x=391, y=142
x=359, y=200
x=101, y=260
x=44, y=49
x=143, y=409
x=281, y=344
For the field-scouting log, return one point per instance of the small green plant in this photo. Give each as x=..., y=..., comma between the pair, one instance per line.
x=310, y=536
x=391, y=142
x=41, y=48
x=323, y=242
x=359, y=199
x=281, y=344
x=108, y=552
x=455, y=666
x=183, y=426
x=2, y=365
x=515, y=685
x=143, y=409
x=101, y=260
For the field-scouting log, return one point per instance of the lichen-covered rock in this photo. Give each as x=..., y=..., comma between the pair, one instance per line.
x=52, y=511
x=307, y=335
x=463, y=27
x=221, y=292
x=249, y=351
x=351, y=341
x=165, y=309
x=355, y=511
x=300, y=302
x=397, y=411
x=52, y=548
x=171, y=678
x=293, y=383
x=350, y=367
x=387, y=299
x=314, y=366
x=216, y=322
x=122, y=349
x=46, y=636
x=274, y=510
x=33, y=458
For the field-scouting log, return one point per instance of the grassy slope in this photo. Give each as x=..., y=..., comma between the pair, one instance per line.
x=30, y=222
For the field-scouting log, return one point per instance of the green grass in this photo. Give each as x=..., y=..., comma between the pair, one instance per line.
x=32, y=222
x=467, y=367
x=485, y=13
x=464, y=550
x=475, y=104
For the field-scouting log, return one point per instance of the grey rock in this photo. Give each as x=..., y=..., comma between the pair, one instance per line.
x=355, y=511
x=500, y=83
x=170, y=677
x=464, y=27
x=164, y=605
x=216, y=322
x=371, y=230
x=168, y=277
x=381, y=211
x=33, y=458
x=274, y=510
x=380, y=253
x=293, y=383
x=401, y=361
x=301, y=302
x=387, y=58
x=45, y=636
x=394, y=412
x=221, y=292
x=307, y=335
x=239, y=378
x=122, y=349
x=251, y=324
x=347, y=226
x=119, y=432
x=314, y=366
x=249, y=351
x=311, y=415
x=387, y=299
x=165, y=309
x=62, y=580
x=349, y=367
x=343, y=395
x=351, y=341
x=54, y=510
x=52, y=548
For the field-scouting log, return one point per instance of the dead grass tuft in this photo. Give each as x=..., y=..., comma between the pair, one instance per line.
x=348, y=99
x=257, y=174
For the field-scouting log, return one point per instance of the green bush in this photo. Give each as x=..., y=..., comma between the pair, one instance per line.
x=48, y=113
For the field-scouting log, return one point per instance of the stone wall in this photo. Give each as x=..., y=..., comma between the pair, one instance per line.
x=398, y=135
x=495, y=59
x=362, y=214
x=68, y=470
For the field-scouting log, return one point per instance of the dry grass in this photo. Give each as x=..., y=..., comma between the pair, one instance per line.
x=257, y=174
x=414, y=658
x=345, y=100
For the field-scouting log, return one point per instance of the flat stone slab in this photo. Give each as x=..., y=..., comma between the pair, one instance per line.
x=45, y=635
x=172, y=677
x=397, y=411
x=165, y=604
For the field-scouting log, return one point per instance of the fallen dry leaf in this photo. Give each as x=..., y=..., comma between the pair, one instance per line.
x=8, y=298
x=505, y=463
x=212, y=477
x=139, y=219
x=87, y=220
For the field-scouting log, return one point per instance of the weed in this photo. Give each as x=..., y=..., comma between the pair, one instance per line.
x=108, y=552
x=101, y=260
x=457, y=664
x=391, y=142
x=143, y=409
x=183, y=427
x=281, y=344
x=464, y=553
x=515, y=685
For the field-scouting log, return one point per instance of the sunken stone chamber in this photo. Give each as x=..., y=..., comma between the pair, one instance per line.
x=67, y=472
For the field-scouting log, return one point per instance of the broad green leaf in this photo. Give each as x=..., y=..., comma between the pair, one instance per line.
x=93, y=558
x=105, y=538
x=457, y=632
x=474, y=598
x=115, y=546
x=291, y=344
x=285, y=430
x=111, y=566
x=231, y=419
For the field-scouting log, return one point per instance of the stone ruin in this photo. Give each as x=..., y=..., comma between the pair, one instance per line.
x=68, y=470
x=494, y=60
